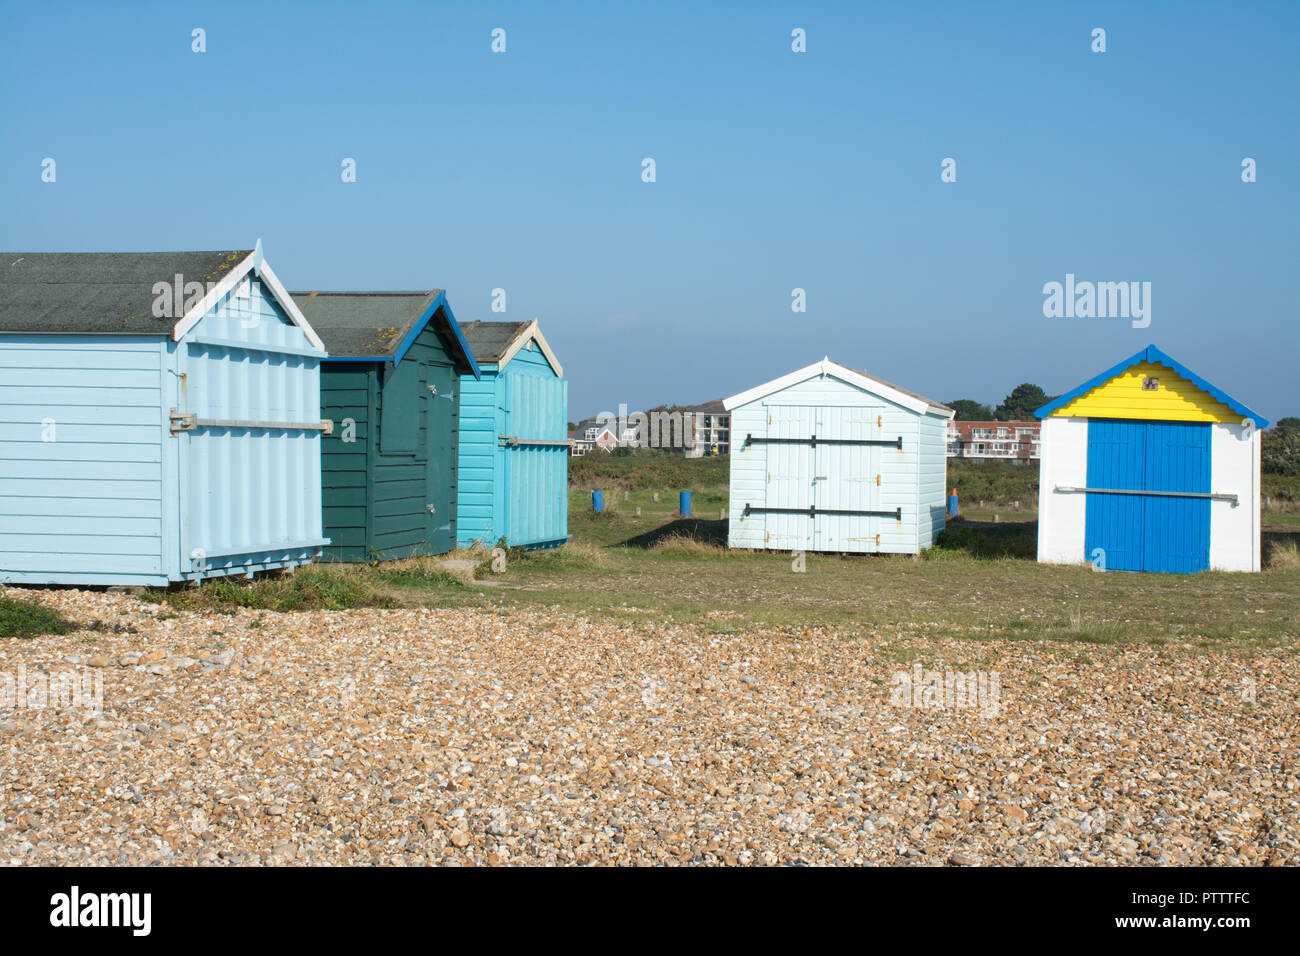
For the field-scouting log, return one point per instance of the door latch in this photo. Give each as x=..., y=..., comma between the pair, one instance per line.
x=431, y=509
x=433, y=390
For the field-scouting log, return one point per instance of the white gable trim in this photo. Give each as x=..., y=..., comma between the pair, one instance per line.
x=534, y=333
x=834, y=369
x=227, y=285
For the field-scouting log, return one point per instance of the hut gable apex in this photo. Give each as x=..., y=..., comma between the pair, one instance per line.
x=382, y=326
x=886, y=390
x=261, y=270
x=496, y=343
x=1172, y=392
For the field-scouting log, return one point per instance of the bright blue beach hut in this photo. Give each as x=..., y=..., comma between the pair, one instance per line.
x=514, y=448
x=160, y=419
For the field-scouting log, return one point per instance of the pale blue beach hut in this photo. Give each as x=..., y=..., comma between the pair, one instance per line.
x=160, y=419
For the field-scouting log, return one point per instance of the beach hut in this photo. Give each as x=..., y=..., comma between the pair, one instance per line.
x=390, y=385
x=514, y=449
x=1149, y=467
x=832, y=459
x=160, y=418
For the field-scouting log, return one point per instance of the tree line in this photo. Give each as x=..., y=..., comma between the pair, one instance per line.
x=1019, y=406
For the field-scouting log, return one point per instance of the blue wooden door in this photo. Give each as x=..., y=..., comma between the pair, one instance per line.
x=1177, y=530
x=1148, y=532
x=1116, y=459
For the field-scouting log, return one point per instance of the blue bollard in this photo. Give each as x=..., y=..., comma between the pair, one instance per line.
x=684, y=504
x=597, y=501
x=952, y=503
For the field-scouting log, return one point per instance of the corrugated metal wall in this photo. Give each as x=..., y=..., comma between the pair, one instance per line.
x=249, y=496
x=534, y=494
x=516, y=492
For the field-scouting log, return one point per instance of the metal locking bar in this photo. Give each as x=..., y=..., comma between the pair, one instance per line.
x=1215, y=495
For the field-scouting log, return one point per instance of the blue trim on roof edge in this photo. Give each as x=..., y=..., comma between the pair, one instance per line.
x=1153, y=354
x=405, y=346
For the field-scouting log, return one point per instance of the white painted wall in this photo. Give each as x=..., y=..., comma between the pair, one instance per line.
x=911, y=479
x=1061, y=516
x=1234, y=469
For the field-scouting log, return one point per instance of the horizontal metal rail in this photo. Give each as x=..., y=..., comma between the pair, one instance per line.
x=187, y=423
x=1217, y=496
x=548, y=442
x=813, y=511
x=814, y=441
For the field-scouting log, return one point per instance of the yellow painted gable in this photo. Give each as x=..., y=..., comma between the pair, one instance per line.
x=1176, y=399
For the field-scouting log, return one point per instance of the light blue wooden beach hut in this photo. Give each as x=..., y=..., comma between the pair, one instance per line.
x=829, y=458
x=514, y=448
x=160, y=419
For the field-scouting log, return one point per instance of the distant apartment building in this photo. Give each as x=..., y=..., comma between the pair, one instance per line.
x=699, y=430
x=710, y=430
x=1016, y=442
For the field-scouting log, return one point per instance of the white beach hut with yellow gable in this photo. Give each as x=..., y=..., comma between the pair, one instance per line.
x=1149, y=467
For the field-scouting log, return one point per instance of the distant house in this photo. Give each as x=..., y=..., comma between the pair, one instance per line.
x=1015, y=442
x=592, y=435
x=710, y=430
x=579, y=445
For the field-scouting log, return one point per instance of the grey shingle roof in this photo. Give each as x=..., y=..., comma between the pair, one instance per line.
x=98, y=292
x=370, y=324
x=489, y=340
x=906, y=391
x=714, y=407
x=373, y=325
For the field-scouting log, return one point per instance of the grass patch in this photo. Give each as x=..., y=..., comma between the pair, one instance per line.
x=639, y=561
x=1012, y=540
x=328, y=587
x=29, y=619
x=647, y=470
x=993, y=483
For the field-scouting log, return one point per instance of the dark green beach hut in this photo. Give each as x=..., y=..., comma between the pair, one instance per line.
x=390, y=385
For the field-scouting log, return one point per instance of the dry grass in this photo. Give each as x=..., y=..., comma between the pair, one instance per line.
x=687, y=546
x=459, y=565
x=1284, y=556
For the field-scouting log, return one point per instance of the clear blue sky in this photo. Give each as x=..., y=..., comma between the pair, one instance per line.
x=775, y=170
